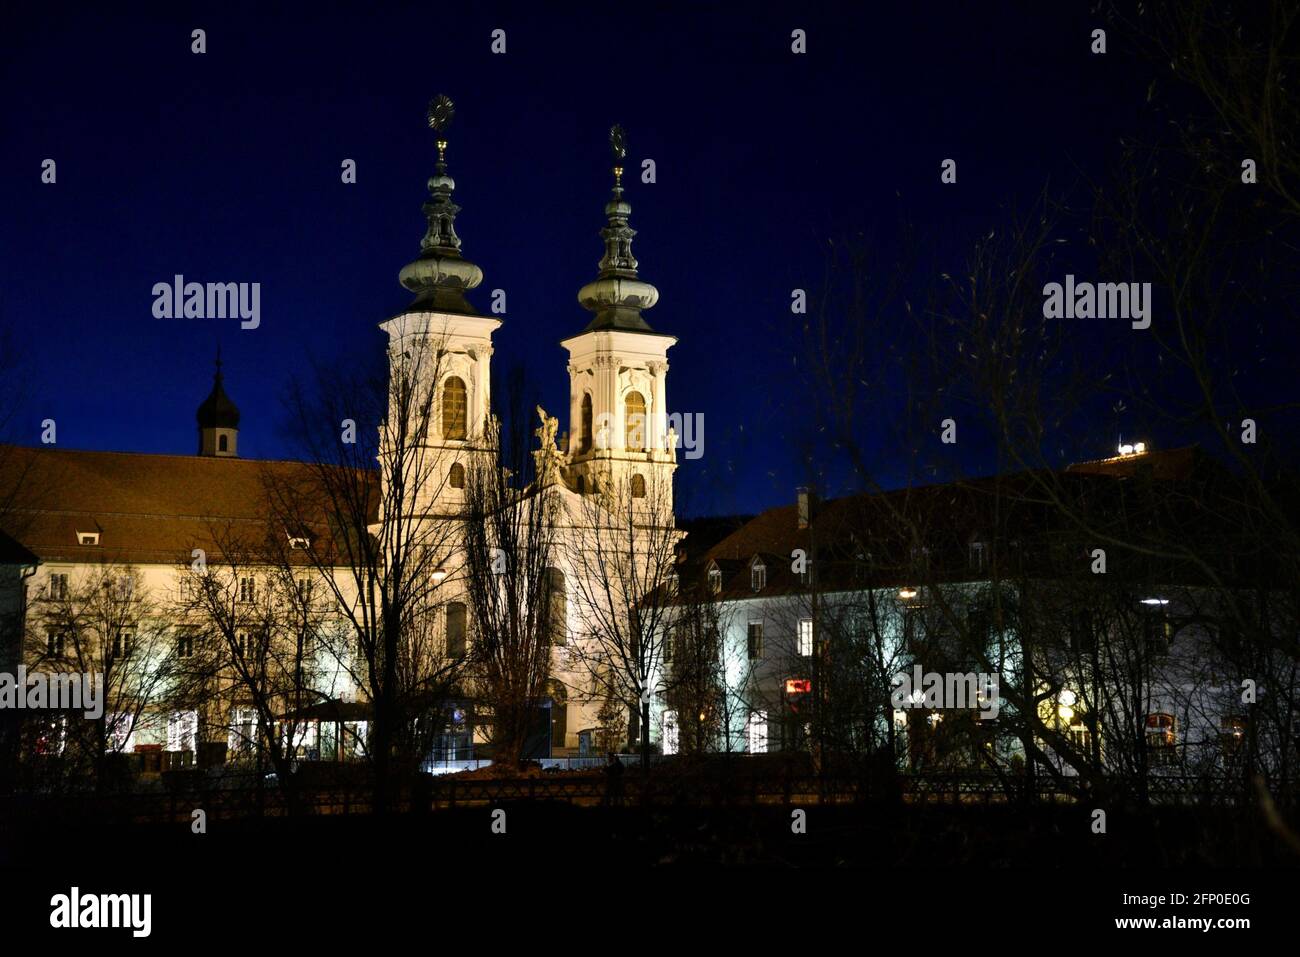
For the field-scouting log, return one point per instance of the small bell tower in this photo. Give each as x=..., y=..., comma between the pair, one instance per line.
x=218, y=419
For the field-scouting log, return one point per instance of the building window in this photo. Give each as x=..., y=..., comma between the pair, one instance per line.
x=184, y=643
x=977, y=556
x=805, y=640
x=223, y=443
x=457, y=477
x=1232, y=733
x=1158, y=632
x=88, y=538
x=54, y=644
x=59, y=586
x=634, y=422
x=182, y=730
x=1160, y=739
x=756, y=732
x=1081, y=738
x=671, y=733
x=242, y=645
x=121, y=732
x=758, y=576
x=638, y=486
x=559, y=606
x=454, y=408
x=715, y=580
x=456, y=630
x=247, y=589
x=584, y=428
x=123, y=640
x=755, y=637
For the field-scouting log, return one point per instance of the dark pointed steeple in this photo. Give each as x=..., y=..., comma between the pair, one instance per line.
x=218, y=419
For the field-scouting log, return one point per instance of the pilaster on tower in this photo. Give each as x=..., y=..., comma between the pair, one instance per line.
x=618, y=369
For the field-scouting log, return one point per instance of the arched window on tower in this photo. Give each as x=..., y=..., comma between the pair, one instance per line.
x=634, y=422
x=454, y=412
x=223, y=443
x=638, y=486
x=558, y=600
x=559, y=714
x=584, y=427
x=456, y=643
x=456, y=478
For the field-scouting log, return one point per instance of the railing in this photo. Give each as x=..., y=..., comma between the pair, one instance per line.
x=665, y=787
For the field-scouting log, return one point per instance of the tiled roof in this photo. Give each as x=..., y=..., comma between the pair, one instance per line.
x=876, y=539
x=146, y=508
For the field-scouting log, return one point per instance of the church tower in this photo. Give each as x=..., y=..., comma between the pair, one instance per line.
x=618, y=370
x=218, y=419
x=441, y=347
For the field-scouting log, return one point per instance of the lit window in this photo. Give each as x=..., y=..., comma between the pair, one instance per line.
x=454, y=409
x=1160, y=738
x=634, y=422
x=671, y=736
x=756, y=732
x=121, y=732
x=805, y=637
x=182, y=730
x=88, y=538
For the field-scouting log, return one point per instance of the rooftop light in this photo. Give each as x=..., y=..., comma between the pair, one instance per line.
x=1155, y=601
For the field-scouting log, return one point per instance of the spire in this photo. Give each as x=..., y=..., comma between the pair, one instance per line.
x=218, y=419
x=440, y=277
x=617, y=296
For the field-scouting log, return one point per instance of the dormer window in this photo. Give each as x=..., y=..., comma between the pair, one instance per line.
x=715, y=580
x=298, y=542
x=87, y=538
x=758, y=576
x=977, y=556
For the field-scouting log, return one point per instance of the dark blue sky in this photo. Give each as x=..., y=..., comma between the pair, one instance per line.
x=225, y=167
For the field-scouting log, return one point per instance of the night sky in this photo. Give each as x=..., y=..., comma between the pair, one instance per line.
x=226, y=167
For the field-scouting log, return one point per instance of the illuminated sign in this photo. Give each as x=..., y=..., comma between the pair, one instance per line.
x=797, y=685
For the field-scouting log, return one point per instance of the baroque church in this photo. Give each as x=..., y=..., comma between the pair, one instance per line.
x=82, y=516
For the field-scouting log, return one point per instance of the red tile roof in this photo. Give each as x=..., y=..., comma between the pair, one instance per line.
x=146, y=508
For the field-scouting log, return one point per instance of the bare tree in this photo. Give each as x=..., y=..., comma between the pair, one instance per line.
x=623, y=553
x=509, y=552
x=103, y=626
